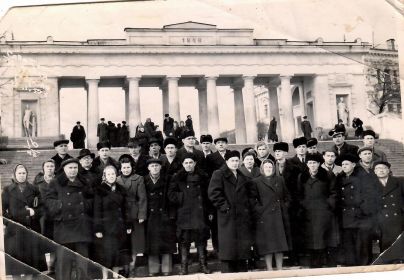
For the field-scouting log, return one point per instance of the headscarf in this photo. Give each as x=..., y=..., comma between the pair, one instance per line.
x=14, y=179
x=262, y=167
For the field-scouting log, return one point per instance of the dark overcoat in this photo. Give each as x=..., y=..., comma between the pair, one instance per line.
x=98, y=165
x=391, y=216
x=170, y=168
x=189, y=194
x=78, y=136
x=58, y=162
x=345, y=149
x=140, y=164
x=317, y=197
x=110, y=218
x=70, y=205
x=306, y=129
x=102, y=132
x=199, y=155
x=230, y=197
x=272, y=229
x=214, y=161
x=45, y=220
x=272, y=130
x=255, y=172
x=168, y=126
x=124, y=136
x=160, y=227
x=137, y=209
x=21, y=243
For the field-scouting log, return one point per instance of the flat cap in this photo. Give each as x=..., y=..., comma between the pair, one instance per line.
x=153, y=160
x=84, y=153
x=361, y=149
x=382, y=162
x=369, y=132
x=221, y=139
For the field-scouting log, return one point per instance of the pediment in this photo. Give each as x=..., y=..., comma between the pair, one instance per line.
x=190, y=25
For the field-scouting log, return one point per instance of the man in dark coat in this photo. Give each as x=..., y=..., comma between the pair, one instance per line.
x=356, y=209
x=61, y=154
x=188, y=124
x=391, y=216
x=293, y=167
x=272, y=136
x=124, y=139
x=103, y=159
x=217, y=159
x=171, y=164
x=188, y=191
x=78, y=136
x=281, y=150
x=168, y=126
x=312, y=148
x=306, y=128
x=369, y=138
x=340, y=147
x=102, y=131
x=155, y=147
x=139, y=156
x=229, y=195
x=189, y=147
x=206, y=144
x=149, y=128
x=69, y=201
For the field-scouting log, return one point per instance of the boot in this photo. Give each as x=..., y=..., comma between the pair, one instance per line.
x=184, y=259
x=203, y=266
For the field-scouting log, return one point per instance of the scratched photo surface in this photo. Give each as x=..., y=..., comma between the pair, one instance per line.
x=156, y=138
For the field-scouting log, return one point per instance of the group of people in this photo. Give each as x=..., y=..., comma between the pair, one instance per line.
x=325, y=207
x=117, y=135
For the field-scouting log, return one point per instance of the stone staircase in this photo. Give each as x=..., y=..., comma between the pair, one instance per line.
x=393, y=149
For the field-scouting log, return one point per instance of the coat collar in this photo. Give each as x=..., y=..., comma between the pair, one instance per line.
x=390, y=186
x=270, y=183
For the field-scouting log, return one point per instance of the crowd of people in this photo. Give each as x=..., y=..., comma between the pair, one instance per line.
x=318, y=208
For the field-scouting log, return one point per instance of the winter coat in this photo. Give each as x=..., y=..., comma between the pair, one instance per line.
x=230, y=198
x=78, y=136
x=272, y=131
x=102, y=132
x=20, y=243
x=110, y=218
x=189, y=193
x=98, y=165
x=160, y=226
x=345, y=149
x=70, y=205
x=214, y=161
x=124, y=136
x=58, y=162
x=270, y=200
x=200, y=157
x=45, y=220
x=170, y=168
x=317, y=197
x=255, y=172
x=306, y=129
x=140, y=165
x=168, y=127
x=391, y=215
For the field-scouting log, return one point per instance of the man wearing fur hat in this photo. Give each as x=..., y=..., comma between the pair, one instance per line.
x=61, y=154
x=103, y=159
x=206, y=143
x=188, y=191
x=369, y=137
x=170, y=162
x=281, y=150
x=189, y=140
x=293, y=167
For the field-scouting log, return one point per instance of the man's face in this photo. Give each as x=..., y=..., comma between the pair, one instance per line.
x=249, y=162
x=154, y=169
x=313, y=166
x=86, y=162
x=279, y=155
x=221, y=146
x=126, y=168
x=382, y=171
x=206, y=146
x=339, y=139
x=301, y=150
x=61, y=149
x=233, y=163
x=104, y=153
x=49, y=168
x=366, y=156
x=189, y=141
x=312, y=149
x=155, y=148
x=71, y=170
x=262, y=151
x=347, y=166
x=189, y=164
x=369, y=141
x=134, y=151
x=329, y=158
x=171, y=150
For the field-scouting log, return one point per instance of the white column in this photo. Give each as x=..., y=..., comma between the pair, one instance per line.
x=323, y=115
x=92, y=112
x=164, y=93
x=213, y=110
x=249, y=110
x=241, y=136
x=302, y=101
x=127, y=108
x=173, y=98
x=286, y=110
x=274, y=107
x=48, y=122
x=134, y=104
x=203, y=107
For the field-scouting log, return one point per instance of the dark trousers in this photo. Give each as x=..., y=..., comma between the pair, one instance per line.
x=69, y=265
x=357, y=246
x=214, y=232
x=233, y=266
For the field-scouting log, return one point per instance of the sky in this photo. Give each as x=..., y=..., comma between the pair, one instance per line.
x=373, y=21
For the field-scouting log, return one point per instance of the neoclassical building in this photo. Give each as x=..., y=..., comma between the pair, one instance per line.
x=293, y=78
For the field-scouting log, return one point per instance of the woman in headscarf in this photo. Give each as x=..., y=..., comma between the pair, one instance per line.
x=110, y=222
x=270, y=199
x=41, y=181
x=21, y=202
x=137, y=206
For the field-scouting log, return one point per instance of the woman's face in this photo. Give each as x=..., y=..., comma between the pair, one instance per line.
x=248, y=162
x=126, y=168
x=268, y=169
x=110, y=175
x=49, y=168
x=21, y=174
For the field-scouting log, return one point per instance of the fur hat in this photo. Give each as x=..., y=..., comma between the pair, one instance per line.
x=282, y=146
x=299, y=141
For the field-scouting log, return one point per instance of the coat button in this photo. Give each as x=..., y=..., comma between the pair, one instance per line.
x=391, y=195
x=187, y=187
x=395, y=214
x=69, y=204
x=385, y=206
x=387, y=215
x=161, y=209
x=343, y=188
x=68, y=193
x=79, y=192
x=81, y=203
x=343, y=198
x=393, y=204
x=161, y=193
x=70, y=216
x=352, y=187
x=344, y=209
x=82, y=214
x=152, y=210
